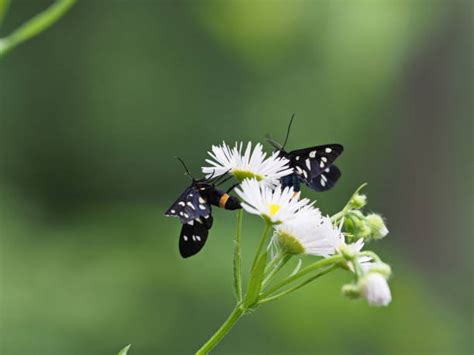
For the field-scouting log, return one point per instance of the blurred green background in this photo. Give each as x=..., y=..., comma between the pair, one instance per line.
x=93, y=110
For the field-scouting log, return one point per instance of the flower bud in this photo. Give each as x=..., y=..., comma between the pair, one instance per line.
x=381, y=268
x=361, y=229
x=357, y=201
x=375, y=289
x=351, y=291
x=355, y=224
x=377, y=226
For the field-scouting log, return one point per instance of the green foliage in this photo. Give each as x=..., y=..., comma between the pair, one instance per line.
x=255, y=282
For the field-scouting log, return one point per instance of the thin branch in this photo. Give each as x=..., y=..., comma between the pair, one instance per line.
x=35, y=26
x=298, y=286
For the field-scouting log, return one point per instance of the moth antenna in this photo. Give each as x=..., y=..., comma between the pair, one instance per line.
x=288, y=130
x=273, y=142
x=185, y=168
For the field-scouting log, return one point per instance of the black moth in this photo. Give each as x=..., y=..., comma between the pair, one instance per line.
x=313, y=166
x=193, y=208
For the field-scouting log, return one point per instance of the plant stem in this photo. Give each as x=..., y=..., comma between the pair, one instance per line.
x=222, y=331
x=338, y=216
x=4, y=4
x=262, y=242
x=237, y=259
x=358, y=272
x=281, y=262
x=296, y=287
x=347, y=207
x=273, y=262
x=35, y=26
x=317, y=265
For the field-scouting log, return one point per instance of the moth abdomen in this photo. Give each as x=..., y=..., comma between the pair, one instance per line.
x=223, y=200
x=229, y=202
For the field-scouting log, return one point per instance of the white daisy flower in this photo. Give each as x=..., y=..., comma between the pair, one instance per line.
x=351, y=249
x=315, y=235
x=374, y=288
x=275, y=206
x=250, y=164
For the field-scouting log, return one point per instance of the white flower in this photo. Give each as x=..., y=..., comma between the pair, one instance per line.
x=250, y=164
x=352, y=249
x=311, y=235
x=374, y=288
x=275, y=206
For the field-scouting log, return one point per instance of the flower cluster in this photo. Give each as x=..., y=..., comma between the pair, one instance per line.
x=268, y=186
x=299, y=228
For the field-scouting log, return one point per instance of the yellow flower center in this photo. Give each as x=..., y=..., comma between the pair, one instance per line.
x=241, y=175
x=273, y=209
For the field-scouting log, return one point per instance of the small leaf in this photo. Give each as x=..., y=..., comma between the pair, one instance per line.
x=255, y=282
x=124, y=351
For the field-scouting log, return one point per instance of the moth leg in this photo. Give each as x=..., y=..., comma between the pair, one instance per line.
x=231, y=188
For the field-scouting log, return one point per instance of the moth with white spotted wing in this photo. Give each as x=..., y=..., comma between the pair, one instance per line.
x=313, y=166
x=193, y=208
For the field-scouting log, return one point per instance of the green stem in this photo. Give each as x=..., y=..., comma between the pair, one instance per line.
x=237, y=259
x=296, y=287
x=273, y=262
x=338, y=215
x=347, y=207
x=317, y=265
x=4, y=4
x=261, y=244
x=282, y=262
x=35, y=26
x=357, y=268
x=222, y=331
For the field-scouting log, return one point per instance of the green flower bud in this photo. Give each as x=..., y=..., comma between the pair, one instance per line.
x=351, y=291
x=362, y=229
x=376, y=226
x=357, y=201
x=354, y=224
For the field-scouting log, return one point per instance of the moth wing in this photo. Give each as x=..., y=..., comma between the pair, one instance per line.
x=189, y=206
x=193, y=237
x=311, y=162
x=326, y=180
x=202, y=208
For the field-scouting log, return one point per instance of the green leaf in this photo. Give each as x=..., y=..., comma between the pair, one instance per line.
x=255, y=282
x=124, y=351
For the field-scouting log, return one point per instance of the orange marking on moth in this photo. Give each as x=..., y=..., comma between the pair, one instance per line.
x=223, y=200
